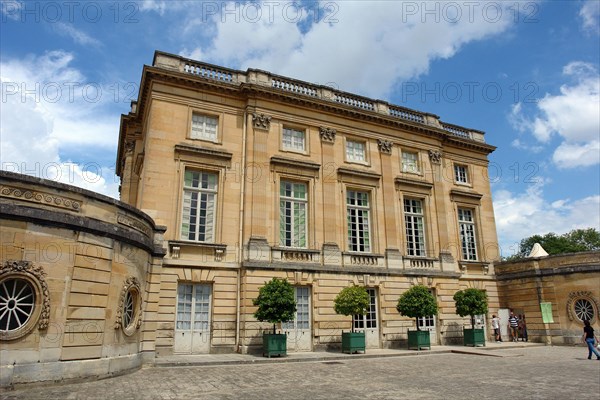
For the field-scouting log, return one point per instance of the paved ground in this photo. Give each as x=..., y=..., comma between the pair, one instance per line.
x=540, y=372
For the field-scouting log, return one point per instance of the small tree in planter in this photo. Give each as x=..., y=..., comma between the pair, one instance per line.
x=352, y=300
x=472, y=302
x=276, y=304
x=417, y=302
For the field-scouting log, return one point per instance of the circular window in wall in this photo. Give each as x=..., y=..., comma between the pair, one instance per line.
x=130, y=307
x=582, y=306
x=23, y=299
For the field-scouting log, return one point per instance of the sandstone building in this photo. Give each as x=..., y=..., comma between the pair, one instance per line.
x=256, y=175
x=230, y=178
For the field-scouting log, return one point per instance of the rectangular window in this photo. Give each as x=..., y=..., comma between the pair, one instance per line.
x=359, y=238
x=292, y=214
x=415, y=227
x=293, y=139
x=410, y=162
x=355, y=151
x=461, y=174
x=466, y=224
x=204, y=127
x=199, y=206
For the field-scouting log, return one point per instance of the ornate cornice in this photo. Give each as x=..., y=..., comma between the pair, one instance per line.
x=45, y=198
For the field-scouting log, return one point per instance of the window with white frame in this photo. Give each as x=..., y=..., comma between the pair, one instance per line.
x=294, y=139
x=410, y=162
x=199, y=206
x=415, y=227
x=461, y=173
x=292, y=214
x=355, y=151
x=204, y=127
x=466, y=224
x=359, y=235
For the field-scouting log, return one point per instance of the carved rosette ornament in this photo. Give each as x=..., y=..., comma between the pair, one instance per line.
x=327, y=134
x=435, y=156
x=261, y=121
x=130, y=307
x=26, y=299
x=385, y=146
x=582, y=305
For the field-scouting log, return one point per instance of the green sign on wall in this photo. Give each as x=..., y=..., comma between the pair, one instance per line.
x=546, y=313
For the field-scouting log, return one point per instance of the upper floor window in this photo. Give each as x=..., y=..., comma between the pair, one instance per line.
x=466, y=224
x=415, y=227
x=294, y=139
x=204, y=127
x=355, y=151
x=292, y=214
x=199, y=206
x=461, y=173
x=359, y=235
x=410, y=162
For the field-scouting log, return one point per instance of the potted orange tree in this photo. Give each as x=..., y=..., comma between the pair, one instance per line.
x=276, y=304
x=417, y=302
x=472, y=302
x=352, y=300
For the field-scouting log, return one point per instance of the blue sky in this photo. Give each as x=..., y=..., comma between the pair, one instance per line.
x=525, y=72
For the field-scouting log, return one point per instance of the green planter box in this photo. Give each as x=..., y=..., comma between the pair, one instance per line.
x=418, y=340
x=353, y=342
x=474, y=337
x=274, y=345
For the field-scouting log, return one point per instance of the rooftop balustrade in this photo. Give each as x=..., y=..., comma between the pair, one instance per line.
x=264, y=78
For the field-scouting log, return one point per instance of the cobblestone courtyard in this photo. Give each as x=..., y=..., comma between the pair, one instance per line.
x=522, y=373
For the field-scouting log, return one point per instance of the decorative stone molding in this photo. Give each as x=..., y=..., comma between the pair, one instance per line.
x=34, y=276
x=135, y=224
x=129, y=147
x=40, y=197
x=582, y=295
x=261, y=121
x=130, y=292
x=327, y=134
x=435, y=156
x=385, y=146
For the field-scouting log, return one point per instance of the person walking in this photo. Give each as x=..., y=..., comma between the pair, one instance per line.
x=513, y=322
x=590, y=340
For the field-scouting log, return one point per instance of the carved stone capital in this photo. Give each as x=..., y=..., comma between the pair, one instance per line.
x=261, y=121
x=385, y=146
x=129, y=146
x=327, y=134
x=435, y=156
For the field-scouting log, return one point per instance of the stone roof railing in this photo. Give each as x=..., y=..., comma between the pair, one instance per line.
x=264, y=78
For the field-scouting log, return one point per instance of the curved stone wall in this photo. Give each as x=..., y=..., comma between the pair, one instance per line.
x=76, y=282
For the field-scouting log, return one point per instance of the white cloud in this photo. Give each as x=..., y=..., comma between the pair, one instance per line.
x=366, y=47
x=573, y=115
x=522, y=215
x=590, y=16
x=78, y=36
x=44, y=112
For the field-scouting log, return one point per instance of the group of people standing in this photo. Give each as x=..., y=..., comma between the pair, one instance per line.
x=517, y=327
x=518, y=330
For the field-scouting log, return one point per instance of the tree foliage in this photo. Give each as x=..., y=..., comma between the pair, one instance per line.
x=276, y=302
x=417, y=302
x=575, y=241
x=352, y=300
x=471, y=302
